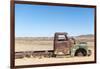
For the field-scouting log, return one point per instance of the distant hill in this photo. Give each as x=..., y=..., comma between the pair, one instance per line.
x=34, y=38
x=89, y=37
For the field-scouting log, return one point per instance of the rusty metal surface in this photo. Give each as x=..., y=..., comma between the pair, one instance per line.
x=63, y=45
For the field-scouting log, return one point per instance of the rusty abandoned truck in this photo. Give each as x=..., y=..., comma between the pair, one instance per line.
x=63, y=46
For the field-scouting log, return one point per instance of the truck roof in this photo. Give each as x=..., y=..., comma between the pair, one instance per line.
x=61, y=33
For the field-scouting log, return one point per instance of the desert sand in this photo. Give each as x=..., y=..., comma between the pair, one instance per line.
x=30, y=44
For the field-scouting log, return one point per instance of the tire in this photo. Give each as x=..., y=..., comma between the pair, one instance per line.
x=81, y=52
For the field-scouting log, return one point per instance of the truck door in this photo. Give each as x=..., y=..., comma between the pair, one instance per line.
x=61, y=44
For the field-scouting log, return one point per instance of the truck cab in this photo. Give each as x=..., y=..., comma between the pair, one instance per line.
x=62, y=45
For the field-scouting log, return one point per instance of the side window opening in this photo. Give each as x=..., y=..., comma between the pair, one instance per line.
x=61, y=38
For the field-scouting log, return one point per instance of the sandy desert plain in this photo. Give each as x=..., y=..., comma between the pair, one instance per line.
x=46, y=43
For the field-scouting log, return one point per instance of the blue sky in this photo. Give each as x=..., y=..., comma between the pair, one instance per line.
x=42, y=20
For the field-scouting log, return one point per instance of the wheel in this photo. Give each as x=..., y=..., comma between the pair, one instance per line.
x=80, y=52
